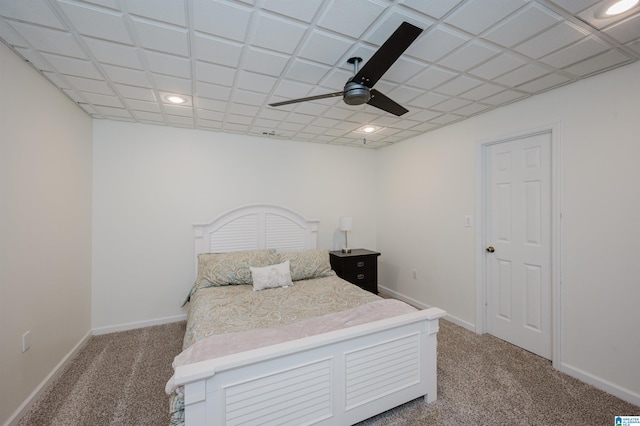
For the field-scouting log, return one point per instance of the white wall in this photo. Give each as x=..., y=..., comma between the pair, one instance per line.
x=428, y=186
x=151, y=183
x=45, y=229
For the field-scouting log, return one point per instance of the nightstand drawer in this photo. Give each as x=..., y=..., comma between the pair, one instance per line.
x=358, y=276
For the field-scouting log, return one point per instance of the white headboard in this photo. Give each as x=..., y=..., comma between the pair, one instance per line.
x=254, y=227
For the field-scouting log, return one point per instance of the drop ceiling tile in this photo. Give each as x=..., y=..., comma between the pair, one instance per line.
x=472, y=109
x=403, y=94
x=180, y=121
x=103, y=100
x=35, y=11
x=336, y=79
x=136, y=93
x=504, y=97
x=264, y=62
x=549, y=41
x=57, y=79
x=608, y=59
x=428, y=100
x=544, y=83
x=256, y=82
x=73, y=66
x=210, y=124
x=436, y=43
x=96, y=22
x=127, y=76
x=210, y=115
x=522, y=75
x=402, y=70
x=301, y=10
x=431, y=77
x=221, y=18
x=162, y=37
x=575, y=6
x=36, y=59
x=216, y=74
x=90, y=85
x=113, y=112
x=300, y=118
x=171, y=12
x=498, y=66
x=250, y=98
x=213, y=91
x=526, y=23
x=111, y=4
x=211, y=104
x=183, y=111
x=146, y=106
x=449, y=105
x=424, y=115
x=48, y=40
x=458, y=85
x=350, y=17
x=475, y=16
x=470, y=55
x=634, y=46
x=211, y=49
x=482, y=92
x=149, y=116
x=306, y=72
x=579, y=51
x=435, y=9
x=172, y=84
x=11, y=36
x=446, y=119
x=275, y=33
x=172, y=65
x=240, y=109
x=311, y=108
x=114, y=53
x=625, y=31
x=382, y=29
x=323, y=47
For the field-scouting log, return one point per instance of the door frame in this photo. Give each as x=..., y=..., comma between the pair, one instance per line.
x=481, y=206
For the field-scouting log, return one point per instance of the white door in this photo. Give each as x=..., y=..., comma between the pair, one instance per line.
x=518, y=253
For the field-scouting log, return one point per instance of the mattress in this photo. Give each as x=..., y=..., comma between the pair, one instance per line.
x=230, y=309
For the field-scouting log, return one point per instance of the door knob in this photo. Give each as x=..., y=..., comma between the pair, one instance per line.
x=490, y=249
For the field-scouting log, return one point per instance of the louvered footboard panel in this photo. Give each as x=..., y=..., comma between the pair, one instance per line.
x=381, y=369
x=296, y=396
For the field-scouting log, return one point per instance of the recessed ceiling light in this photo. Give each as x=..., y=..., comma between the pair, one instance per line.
x=368, y=129
x=620, y=7
x=175, y=99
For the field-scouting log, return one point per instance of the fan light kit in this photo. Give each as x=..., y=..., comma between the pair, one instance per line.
x=359, y=89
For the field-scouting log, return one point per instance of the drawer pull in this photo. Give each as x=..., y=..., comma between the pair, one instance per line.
x=360, y=264
x=360, y=276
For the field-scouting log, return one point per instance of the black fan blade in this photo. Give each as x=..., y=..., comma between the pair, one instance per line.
x=379, y=100
x=310, y=98
x=388, y=53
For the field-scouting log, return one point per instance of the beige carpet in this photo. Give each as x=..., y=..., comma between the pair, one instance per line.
x=118, y=379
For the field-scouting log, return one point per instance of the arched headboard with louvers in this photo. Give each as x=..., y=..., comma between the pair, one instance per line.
x=256, y=227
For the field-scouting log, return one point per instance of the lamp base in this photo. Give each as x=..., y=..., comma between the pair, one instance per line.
x=346, y=250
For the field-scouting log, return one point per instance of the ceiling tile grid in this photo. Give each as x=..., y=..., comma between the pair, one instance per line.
x=118, y=59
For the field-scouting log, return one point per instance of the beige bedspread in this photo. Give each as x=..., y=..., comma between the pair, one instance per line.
x=232, y=343
x=229, y=309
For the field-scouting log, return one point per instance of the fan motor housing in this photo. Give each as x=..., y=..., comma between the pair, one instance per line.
x=356, y=93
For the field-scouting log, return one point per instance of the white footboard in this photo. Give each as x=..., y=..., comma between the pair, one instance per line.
x=336, y=378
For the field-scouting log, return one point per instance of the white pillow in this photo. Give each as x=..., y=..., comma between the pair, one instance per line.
x=271, y=276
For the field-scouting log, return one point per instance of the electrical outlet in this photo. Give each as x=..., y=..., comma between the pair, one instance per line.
x=414, y=274
x=26, y=341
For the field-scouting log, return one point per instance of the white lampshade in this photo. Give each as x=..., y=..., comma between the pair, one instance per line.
x=346, y=223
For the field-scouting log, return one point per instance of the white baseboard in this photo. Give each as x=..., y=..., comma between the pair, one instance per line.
x=133, y=325
x=413, y=302
x=604, y=385
x=31, y=399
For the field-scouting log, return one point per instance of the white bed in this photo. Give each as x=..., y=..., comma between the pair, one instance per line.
x=353, y=373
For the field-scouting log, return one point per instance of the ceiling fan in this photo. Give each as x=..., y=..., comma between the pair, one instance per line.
x=359, y=88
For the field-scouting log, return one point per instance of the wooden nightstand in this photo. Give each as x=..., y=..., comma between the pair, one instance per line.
x=360, y=267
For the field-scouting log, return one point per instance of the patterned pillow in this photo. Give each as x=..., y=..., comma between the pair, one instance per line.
x=218, y=269
x=271, y=276
x=307, y=264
